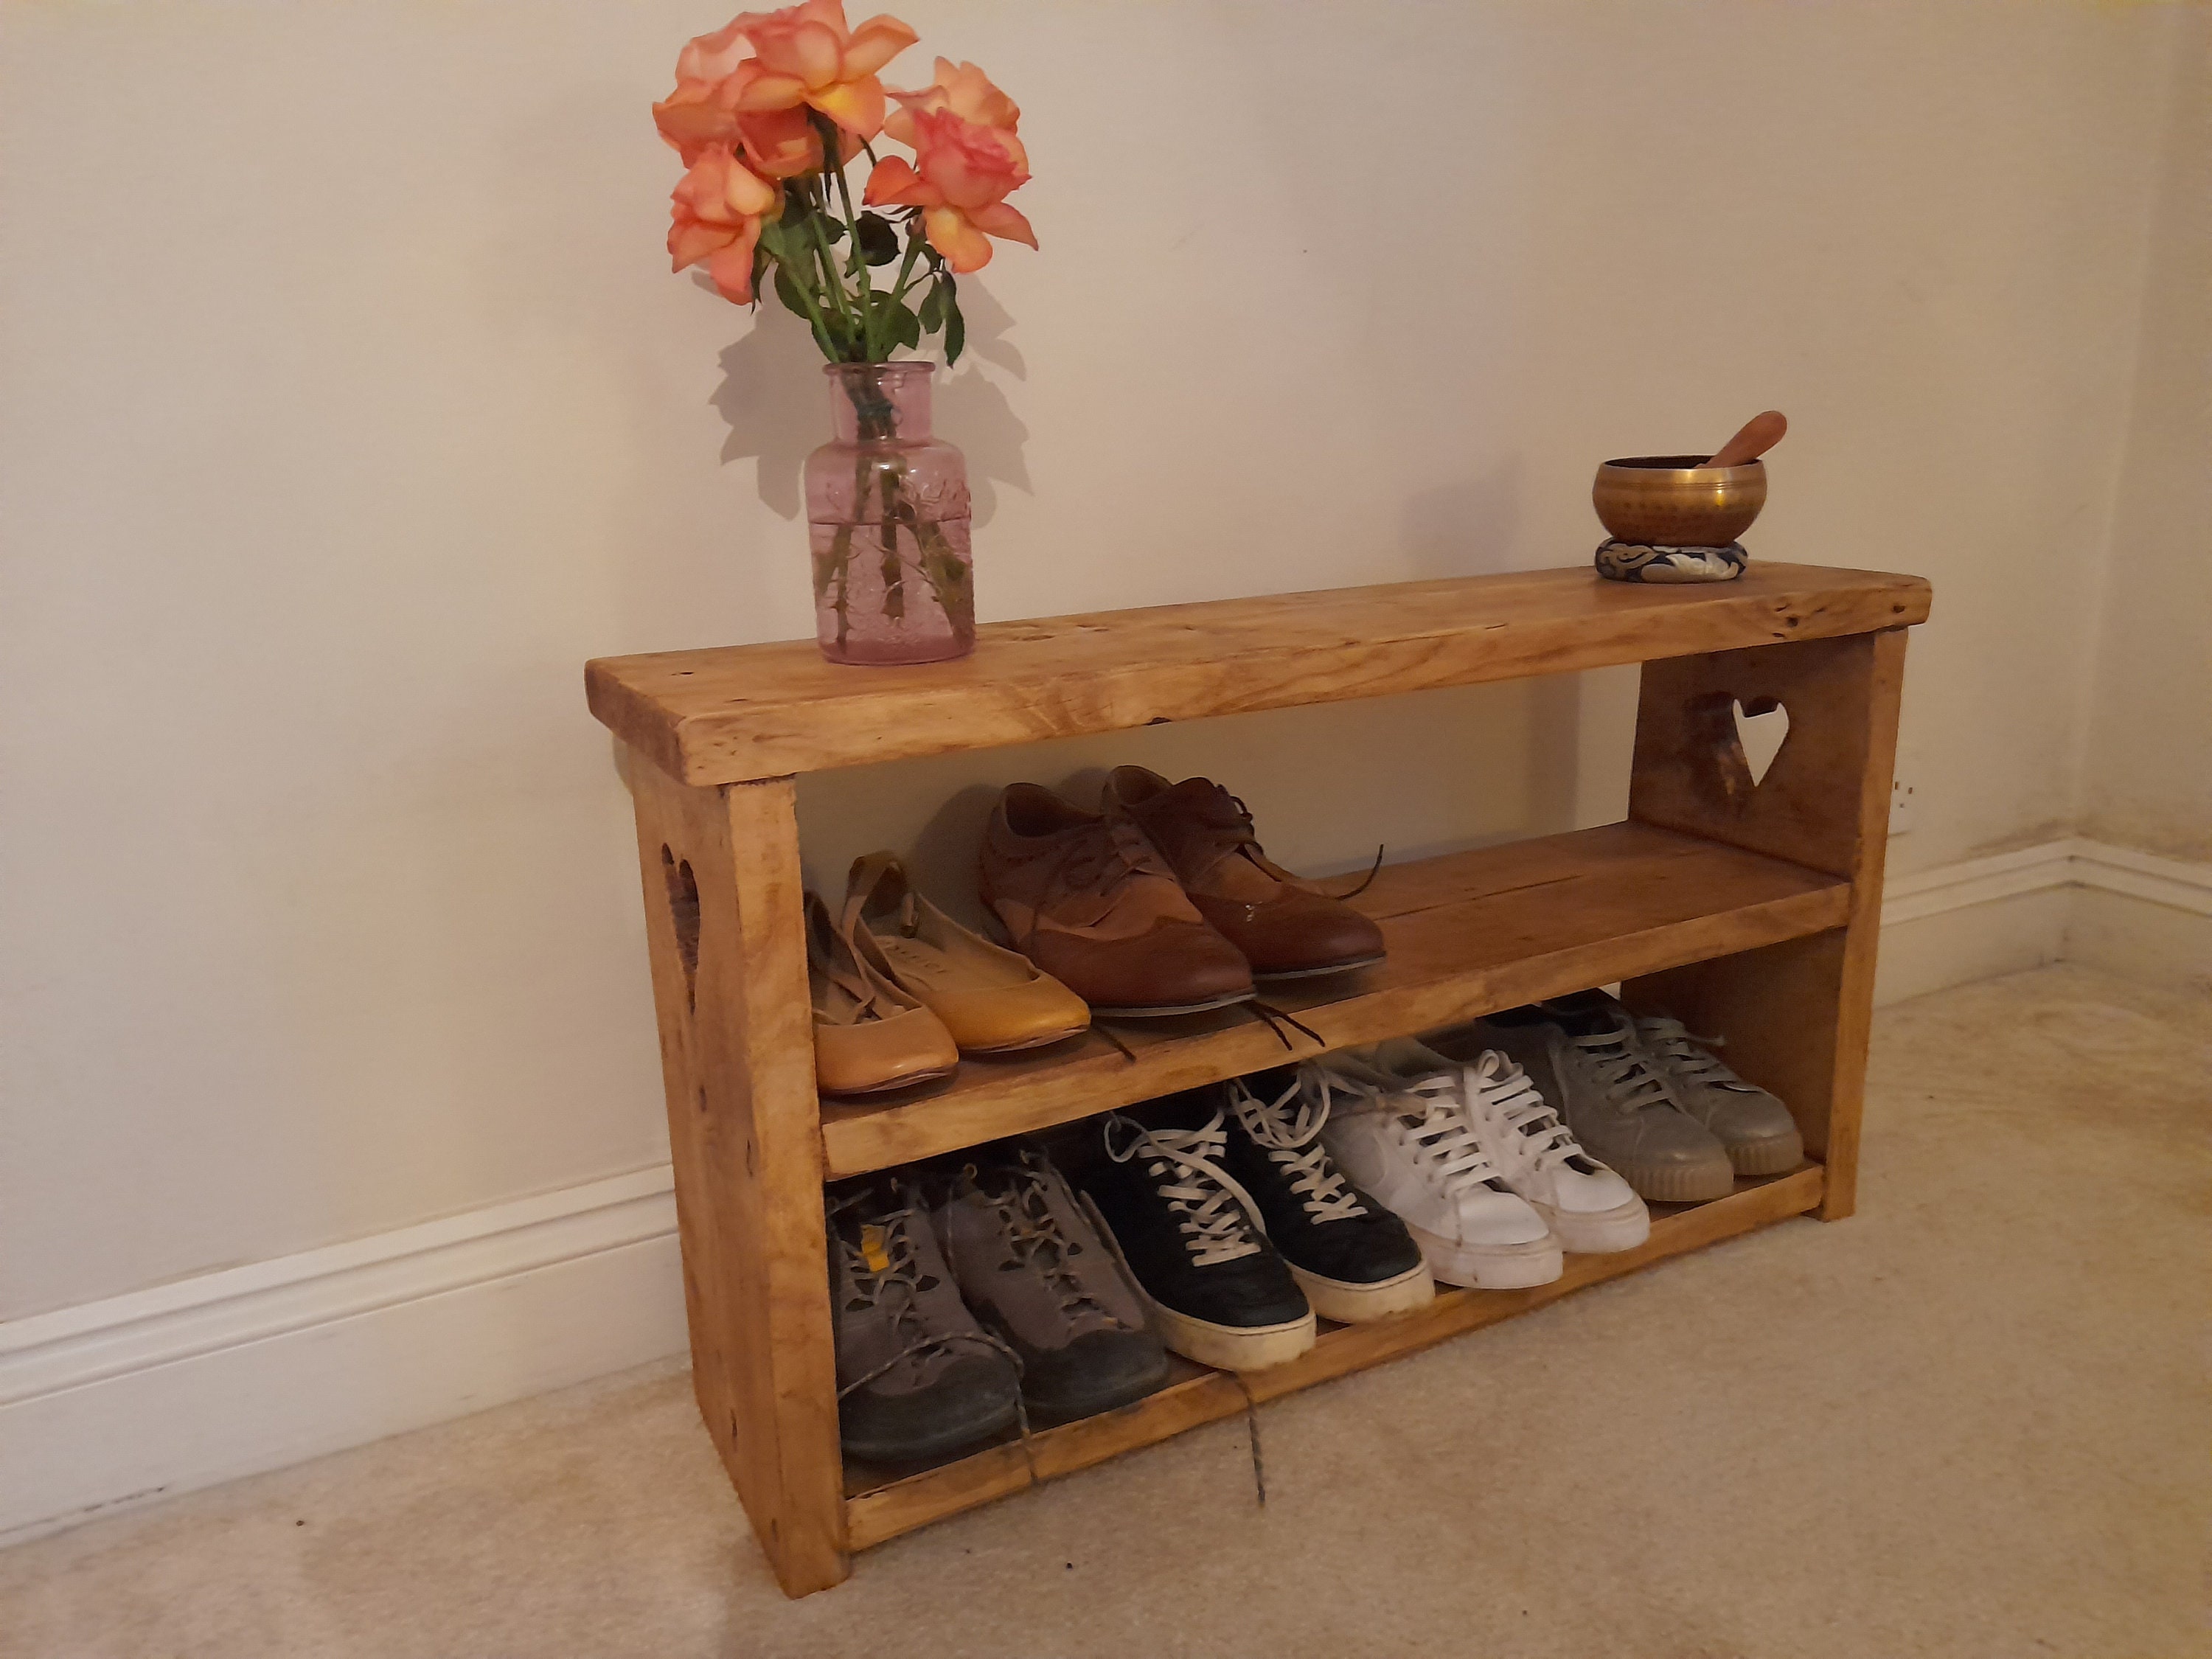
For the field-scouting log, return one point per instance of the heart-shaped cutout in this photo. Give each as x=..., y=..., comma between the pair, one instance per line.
x=1761, y=726
x=683, y=911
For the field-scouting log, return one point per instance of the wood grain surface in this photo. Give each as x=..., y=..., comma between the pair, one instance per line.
x=1795, y=1014
x=1469, y=933
x=724, y=933
x=761, y=711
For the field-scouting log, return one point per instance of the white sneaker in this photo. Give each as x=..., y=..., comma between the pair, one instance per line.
x=1411, y=1145
x=1592, y=1210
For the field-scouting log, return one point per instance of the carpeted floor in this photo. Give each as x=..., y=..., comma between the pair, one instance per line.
x=1972, y=1421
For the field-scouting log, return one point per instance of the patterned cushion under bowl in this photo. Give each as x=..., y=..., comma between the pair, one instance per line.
x=1628, y=562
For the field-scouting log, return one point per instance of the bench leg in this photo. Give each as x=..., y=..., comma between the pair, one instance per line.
x=1796, y=1015
x=726, y=936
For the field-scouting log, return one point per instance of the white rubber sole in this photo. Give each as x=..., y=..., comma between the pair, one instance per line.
x=1231, y=1347
x=1225, y=1347
x=1778, y=1156
x=1602, y=1232
x=1349, y=1303
x=1491, y=1267
x=1674, y=1183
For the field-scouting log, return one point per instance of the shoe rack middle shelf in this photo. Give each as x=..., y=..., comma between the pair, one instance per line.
x=1469, y=933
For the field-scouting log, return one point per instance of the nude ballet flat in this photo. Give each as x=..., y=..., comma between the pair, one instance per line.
x=992, y=1001
x=869, y=1035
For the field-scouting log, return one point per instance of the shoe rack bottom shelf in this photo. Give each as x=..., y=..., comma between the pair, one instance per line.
x=880, y=1505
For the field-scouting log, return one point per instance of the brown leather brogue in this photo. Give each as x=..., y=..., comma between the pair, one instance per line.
x=1284, y=928
x=1092, y=902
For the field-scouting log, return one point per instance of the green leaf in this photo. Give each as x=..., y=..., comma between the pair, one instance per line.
x=895, y=324
x=877, y=240
x=933, y=308
x=788, y=291
x=832, y=230
x=955, y=328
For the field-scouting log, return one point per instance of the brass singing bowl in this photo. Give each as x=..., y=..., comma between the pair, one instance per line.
x=1673, y=501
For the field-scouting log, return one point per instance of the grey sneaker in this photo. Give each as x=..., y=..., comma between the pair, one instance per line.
x=1761, y=1135
x=1582, y=1054
x=916, y=1376
x=1034, y=1271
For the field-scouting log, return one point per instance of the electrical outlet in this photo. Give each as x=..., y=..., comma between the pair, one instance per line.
x=1901, y=806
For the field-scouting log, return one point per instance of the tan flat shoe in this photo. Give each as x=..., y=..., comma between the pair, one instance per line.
x=868, y=1033
x=993, y=1001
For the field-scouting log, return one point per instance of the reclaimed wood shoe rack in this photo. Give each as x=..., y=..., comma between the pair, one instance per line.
x=1748, y=909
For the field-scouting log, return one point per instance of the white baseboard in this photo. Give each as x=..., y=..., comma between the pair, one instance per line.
x=2073, y=900
x=120, y=1401
x=117, y=1402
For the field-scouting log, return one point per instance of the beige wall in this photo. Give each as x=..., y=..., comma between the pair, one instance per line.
x=2147, y=782
x=348, y=406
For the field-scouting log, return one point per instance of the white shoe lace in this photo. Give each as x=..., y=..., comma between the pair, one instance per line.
x=1623, y=1071
x=1438, y=1133
x=1673, y=1041
x=1291, y=1140
x=1506, y=1093
x=1219, y=1219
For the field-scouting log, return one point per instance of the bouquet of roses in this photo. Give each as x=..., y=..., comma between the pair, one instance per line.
x=766, y=137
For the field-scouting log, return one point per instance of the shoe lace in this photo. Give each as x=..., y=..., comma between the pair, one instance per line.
x=1222, y=811
x=895, y=1289
x=1508, y=1094
x=1219, y=1220
x=1688, y=1053
x=1623, y=1071
x=1434, y=1125
x=1291, y=1137
x=1116, y=849
x=1033, y=1239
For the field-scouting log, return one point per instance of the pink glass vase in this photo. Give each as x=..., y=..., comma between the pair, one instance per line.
x=887, y=513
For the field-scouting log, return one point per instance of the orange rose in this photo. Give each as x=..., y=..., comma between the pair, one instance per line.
x=809, y=56
x=963, y=90
x=711, y=58
x=779, y=143
x=717, y=208
x=962, y=174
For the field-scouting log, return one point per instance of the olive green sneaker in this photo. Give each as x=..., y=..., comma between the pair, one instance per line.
x=1583, y=1053
x=1761, y=1135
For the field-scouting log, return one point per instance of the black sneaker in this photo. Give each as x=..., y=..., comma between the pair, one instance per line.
x=1354, y=1258
x=916, y=1376
x=1217, y=1291
x=1032, y=1269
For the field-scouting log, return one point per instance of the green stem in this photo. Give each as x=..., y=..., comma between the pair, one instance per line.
x=834, y=282
x=861, y=267
x=815, y=319
x=826, y=131
x=894, y=571
x=841, y=550
x=906, y=268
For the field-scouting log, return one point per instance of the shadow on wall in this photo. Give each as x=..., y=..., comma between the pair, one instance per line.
x=1461, y=529
x=773, y=400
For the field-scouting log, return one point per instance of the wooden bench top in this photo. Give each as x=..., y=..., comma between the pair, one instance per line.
x=739, y=713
